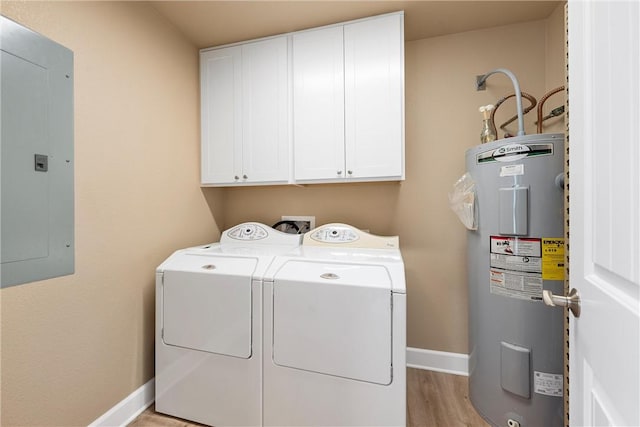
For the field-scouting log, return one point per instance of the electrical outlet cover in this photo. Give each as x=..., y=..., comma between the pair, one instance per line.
x=304, y=223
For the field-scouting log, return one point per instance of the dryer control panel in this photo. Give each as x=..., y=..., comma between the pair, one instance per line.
x=334, y=234
x=347, y=235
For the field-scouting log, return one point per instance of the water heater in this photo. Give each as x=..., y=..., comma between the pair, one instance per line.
x=516, y=252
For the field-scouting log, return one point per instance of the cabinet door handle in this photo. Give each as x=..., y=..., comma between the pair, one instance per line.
x=244, y=177
x=339, y=172
x=350, y=172
x=236, y=177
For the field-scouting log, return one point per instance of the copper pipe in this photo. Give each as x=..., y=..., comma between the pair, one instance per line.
x=542, y=101
x=529, y=97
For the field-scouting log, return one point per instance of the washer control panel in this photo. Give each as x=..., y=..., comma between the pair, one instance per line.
x=247, y=231
x=250, y=233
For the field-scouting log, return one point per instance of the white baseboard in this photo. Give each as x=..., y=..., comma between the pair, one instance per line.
x=441, y=361
x=129, y=408
x=134, y=404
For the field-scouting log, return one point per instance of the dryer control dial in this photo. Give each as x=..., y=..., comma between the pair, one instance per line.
x=335, y=234
x=247, y=232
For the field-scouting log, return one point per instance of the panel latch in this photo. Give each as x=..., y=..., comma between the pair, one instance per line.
x=41, y=162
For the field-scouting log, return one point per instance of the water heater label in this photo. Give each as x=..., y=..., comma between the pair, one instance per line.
x=548, y=384
x=515, y=246
x=553, y=258
x=516, y=267
x=517, y=263
x=526, y=286
x=512, y=170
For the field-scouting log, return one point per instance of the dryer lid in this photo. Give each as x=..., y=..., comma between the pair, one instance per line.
x=338, y=330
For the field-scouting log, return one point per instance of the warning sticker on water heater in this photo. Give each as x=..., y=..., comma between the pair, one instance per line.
x=548, y=384
x=516, y=267
x=520, y=246
x=525, y=286
x=516, y=254
x=526, y=264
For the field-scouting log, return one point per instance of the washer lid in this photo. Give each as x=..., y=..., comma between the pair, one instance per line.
x=207, y=305
x=218, y=264
x=312, y=272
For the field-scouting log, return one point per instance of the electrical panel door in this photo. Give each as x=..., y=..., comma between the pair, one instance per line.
x=37, y=156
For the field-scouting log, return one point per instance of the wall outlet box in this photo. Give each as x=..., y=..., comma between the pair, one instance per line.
x=304, y=223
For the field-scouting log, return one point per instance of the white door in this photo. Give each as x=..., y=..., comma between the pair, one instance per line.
x=604, y=126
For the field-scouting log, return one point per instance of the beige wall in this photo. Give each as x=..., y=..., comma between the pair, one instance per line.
x=73, y=347
x=442, y=121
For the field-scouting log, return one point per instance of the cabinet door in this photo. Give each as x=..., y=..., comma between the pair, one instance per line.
x=318, y=104
x=374, y=97
x=221, y=90
x=265, y=142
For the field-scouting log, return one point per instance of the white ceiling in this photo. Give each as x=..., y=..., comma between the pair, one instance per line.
x=213, y=23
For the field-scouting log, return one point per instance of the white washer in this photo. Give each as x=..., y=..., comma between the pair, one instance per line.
x=335, y=332
x=209, y=326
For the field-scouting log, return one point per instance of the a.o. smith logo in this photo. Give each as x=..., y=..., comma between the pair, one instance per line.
x=508, y=153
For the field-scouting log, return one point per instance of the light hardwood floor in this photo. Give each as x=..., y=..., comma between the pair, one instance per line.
x=433, y=399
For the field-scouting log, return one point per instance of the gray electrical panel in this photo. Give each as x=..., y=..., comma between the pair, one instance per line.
x=37, y=222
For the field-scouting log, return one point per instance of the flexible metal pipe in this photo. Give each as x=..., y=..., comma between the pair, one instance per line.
x=516, y=87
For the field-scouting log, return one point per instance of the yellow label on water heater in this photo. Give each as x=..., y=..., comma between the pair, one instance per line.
x=553, y=258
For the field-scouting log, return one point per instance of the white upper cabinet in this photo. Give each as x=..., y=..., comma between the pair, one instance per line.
x=221, y=91
x=245, y=126
x=348, y=101
x=265, y=142
x=338, y=116
x=318, y=104
x=374, y=97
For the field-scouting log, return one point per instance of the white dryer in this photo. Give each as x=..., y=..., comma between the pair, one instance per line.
x=209, y=326
x=335, y=332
